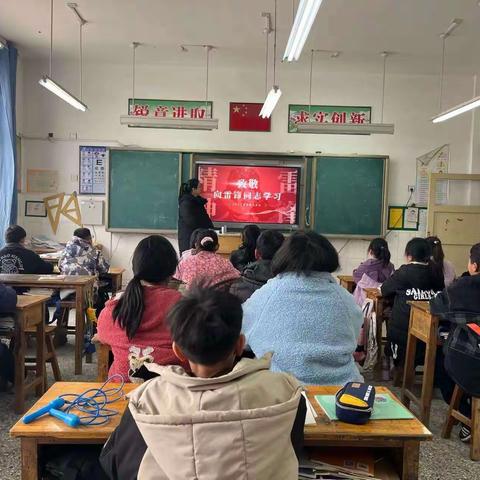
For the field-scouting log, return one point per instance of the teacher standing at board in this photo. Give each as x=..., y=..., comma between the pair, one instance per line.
x=191, y=213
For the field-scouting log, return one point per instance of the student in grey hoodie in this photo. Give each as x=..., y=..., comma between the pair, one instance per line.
x=258, y=273
x=227, y=419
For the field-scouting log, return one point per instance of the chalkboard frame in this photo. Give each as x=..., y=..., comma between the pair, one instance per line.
x=107, y=191
x=383, y=231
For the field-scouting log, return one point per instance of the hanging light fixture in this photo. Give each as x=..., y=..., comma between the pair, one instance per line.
x=346, y=128
x=54, y=87
x=306, y=13
x=166, y=122
x=275, y=93
x=462, y=107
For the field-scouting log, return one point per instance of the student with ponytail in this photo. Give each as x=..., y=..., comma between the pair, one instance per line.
x=204, y=264
x=439, y=264
x=416, y=280
x=378, y=266
x=191, y=212
x=133, y=323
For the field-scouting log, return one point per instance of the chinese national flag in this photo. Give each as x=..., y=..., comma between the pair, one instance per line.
x=244, y=117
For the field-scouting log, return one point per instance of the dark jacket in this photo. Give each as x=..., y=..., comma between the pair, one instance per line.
x=414, y=281
x=8, y=299
x=241, y=257
x=463, y=295
x=254, y=276
x=15, y=258
x=191, y=215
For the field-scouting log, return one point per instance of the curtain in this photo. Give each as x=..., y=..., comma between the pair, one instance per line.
x=8, y=190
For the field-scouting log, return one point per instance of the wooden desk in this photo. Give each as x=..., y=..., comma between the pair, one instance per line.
x=116, y=274
x=347, y=282
x=400, y=437
x=423, y=327
x=48, y=430
x=227, y=243
x=30, y=312
x=41, y=250
x=82, y=284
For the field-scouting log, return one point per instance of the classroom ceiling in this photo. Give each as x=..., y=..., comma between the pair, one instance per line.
x=358, y=28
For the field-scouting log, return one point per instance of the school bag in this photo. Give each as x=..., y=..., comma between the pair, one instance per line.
x=462, y=351
x=370, y=335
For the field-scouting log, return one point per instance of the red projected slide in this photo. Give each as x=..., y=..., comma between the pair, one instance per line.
x=250, y=194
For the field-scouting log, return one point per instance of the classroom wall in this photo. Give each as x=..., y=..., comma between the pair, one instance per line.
x=411, y=99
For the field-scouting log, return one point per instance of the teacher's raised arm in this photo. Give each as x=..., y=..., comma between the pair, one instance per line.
x=191, y=212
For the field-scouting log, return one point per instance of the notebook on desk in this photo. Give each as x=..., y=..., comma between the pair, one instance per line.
x=385, y=408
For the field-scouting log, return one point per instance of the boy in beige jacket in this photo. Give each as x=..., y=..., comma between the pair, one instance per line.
x=229, y=419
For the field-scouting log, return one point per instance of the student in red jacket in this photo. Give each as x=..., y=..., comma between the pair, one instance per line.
x=133, y=324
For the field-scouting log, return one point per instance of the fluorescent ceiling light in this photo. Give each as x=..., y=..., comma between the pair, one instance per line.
x=346, y=129
x=458, y=110
x=159, y=122
x=3, y=43
x=270, y=102
x=58, y=90
x=306, y=13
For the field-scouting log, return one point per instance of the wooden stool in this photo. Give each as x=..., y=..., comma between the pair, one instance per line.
x=474, y=423
x=50, y=354
x=423, y=327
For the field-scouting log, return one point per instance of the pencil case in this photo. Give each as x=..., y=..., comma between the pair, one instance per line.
x=354, y=402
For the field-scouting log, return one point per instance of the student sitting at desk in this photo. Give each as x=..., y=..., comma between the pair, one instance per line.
x=245, y=254
x=443, y=266
x=304, y=316
x=417, y=280
x=205, y=264
x=373, y=271
x=228, y=419
x=257, y=274
x=16, y=258
x=133, y=323
x=80, y=257
x=458, y=302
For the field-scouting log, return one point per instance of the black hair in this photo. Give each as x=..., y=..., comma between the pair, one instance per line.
x=419, y=249
x=83, y=233
x=379, y=248
x=154, y=260
x=188, y=186
x=193, y=237
x=268, y=243
x=437, y=254
x=15, y=234
x=206, y=324
x=305, y=252
x=207, y=240
x=475, y=255
x=250, y=234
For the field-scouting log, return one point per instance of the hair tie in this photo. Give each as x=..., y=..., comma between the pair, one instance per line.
x=436, y=242
x=205, y=240
x=382, y=247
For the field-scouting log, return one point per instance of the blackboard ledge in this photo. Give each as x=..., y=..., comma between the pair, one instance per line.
x=140, y=230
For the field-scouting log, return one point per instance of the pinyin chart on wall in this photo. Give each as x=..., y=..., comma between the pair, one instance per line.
x=93, y=164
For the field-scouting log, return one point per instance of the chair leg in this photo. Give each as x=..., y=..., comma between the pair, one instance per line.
x=475, y=446
x=454, y=404
x=53, y=360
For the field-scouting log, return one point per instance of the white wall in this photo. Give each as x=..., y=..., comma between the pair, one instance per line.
x=410, y=101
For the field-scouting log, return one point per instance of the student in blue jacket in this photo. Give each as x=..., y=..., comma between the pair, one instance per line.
x=309, y=322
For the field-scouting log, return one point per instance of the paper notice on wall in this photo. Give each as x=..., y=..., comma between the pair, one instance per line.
x=435, y=161
x=42, y=181
x=422, y=222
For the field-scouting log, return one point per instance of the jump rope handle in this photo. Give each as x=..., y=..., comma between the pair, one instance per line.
x=69, y=418
x=57, y=403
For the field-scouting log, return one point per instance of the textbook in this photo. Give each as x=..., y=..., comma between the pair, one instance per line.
x=384, y=408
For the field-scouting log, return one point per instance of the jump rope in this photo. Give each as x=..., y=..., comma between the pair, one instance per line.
x=85, y=409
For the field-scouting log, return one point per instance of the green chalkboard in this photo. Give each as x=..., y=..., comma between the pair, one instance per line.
x=349, y=195
x=143, y=190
